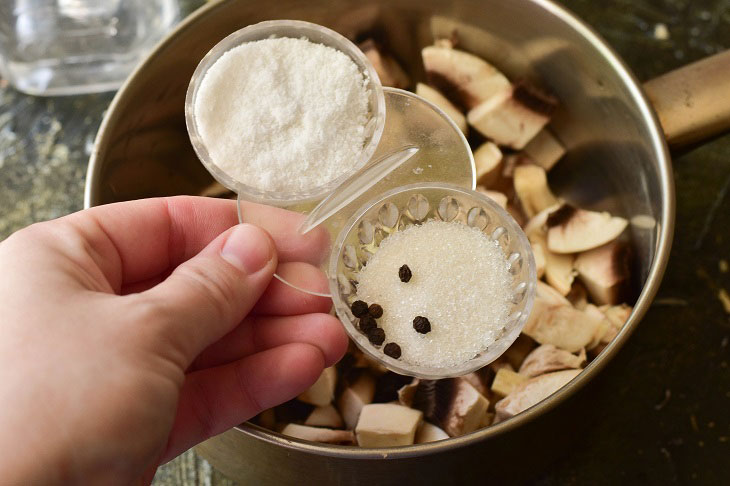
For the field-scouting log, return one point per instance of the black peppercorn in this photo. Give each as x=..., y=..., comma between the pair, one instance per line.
x=404, y=273
x=376, y=311
x=392, y=350
x=376, y=336
x=421, y=324
x=359, y=308
x=367, y=323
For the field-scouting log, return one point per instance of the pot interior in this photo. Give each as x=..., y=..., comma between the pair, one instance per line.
x=616, y=160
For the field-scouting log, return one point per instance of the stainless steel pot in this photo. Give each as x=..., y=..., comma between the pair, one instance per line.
x=617, y=160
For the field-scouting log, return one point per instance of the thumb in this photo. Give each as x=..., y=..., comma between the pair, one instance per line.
x=210, y=294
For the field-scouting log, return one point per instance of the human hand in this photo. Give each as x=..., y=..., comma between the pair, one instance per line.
x=133, y=331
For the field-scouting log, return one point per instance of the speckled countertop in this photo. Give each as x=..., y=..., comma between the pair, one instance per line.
x=662, y=405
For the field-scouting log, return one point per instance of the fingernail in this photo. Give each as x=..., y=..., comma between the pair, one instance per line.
x=247, y=248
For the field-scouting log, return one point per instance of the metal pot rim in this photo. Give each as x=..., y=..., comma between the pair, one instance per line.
x=665, y=230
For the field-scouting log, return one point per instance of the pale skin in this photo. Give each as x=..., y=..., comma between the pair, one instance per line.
x=133, y=331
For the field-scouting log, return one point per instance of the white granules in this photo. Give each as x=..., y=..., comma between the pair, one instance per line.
x=460, y=282
x=283, y=114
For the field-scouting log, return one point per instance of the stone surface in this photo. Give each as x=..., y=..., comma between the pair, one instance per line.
x=660, y=409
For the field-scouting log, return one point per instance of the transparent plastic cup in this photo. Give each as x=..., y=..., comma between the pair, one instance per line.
x=292, y=29
x=414, y=204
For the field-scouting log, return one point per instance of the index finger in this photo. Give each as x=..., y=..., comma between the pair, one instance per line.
x=142, y=239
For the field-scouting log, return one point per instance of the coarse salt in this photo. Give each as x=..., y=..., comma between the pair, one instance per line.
x=460, y=282
x=283, y=114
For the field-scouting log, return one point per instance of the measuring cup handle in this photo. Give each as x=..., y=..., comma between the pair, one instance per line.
x=693, y=102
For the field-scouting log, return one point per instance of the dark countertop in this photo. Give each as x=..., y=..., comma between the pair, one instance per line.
x=662, y=406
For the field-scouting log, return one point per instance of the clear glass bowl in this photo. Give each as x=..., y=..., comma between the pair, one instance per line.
x=414, y=204
x=294, y=29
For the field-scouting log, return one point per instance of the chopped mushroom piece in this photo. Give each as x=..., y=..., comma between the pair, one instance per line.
x=605, y=272
x=532, y=392
x=538, y=223
x=387, y=425
x=319, y=434
x=326, y=416
x=512, y=118
x=429, y=433
x=388, y=69
x=604, y=325
x=547, y=358
x=578, y=296
x=354, y=397
x=559, y=272
x=452, y=403
x=505, y=381
x=617, y=314
x=538, y=251
x=431, y=94
x=488, y=163
x=563, y=326
x=532, y=189
x=545, y=149
x=516, y=353
x=467, y=410
x=498, y=197
x=479, y=380
x=323, y=390
x=572, y=230
x=548, y=295
x=465, y=79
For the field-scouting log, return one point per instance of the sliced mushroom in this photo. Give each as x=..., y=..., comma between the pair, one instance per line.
x=617, y=315
x=505, y=381
x=408, y=392
x=429, y=433
x=516, y=353
x=548, y=295
x=496, y=196
x=545, y=149
x=319, y=434
x=532, y=392
x=488, y=163
x=547, y=358
x=559, y=272
x=387, y=425
x=326, y=416
x=479, y=380
x=605, y=272
x=532, y=189
x=562, y=325
x=354, y=397
x=467, y=410
x=604, y=327
x=453, y=404
x=572, y=230
x=578, y=296
x=432, y=95
x=487, y=420
x=388, y=69
x=512, y=118
x=323, y=390
x=512, y=161
x=538, y=223
x=538, y=251
x=465, y=79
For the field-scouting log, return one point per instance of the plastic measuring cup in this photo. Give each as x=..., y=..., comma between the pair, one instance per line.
x=410, y=140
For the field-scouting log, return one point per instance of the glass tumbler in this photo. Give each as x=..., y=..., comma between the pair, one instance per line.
x=63, y=47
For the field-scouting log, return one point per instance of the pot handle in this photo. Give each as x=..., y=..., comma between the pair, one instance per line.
x=693, y=102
